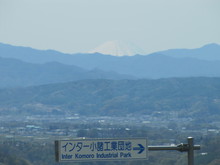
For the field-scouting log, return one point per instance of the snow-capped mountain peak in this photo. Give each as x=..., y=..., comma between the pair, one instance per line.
x=118, y=48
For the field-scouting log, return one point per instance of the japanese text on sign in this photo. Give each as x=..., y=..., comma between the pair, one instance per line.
x=101, y=149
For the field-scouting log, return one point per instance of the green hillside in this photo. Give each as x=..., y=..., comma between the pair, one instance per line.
x=191, y=96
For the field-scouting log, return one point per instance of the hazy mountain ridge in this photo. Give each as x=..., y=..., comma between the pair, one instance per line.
x=187, y=96
x=18, y=73
x=209, y=52
x=157, y=65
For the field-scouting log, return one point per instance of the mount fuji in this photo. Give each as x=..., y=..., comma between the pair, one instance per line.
x=118, y=48
x=202, y=61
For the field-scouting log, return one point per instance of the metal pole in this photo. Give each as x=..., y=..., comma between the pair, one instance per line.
x=157, y=148
x=189, y=148
x=190, y=151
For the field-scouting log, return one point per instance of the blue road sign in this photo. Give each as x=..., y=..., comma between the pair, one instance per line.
x=101, y=149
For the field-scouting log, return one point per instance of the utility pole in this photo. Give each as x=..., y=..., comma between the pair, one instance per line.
x=189, y=147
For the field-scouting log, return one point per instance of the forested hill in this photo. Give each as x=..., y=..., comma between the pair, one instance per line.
x=189, y=96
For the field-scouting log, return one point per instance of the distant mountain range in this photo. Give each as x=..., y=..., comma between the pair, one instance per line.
x=209, y=52
x=14, y=73
x=48, y=66
x=191, y=97
x=100, y=84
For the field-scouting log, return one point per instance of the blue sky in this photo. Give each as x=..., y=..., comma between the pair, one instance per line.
x=80, y=25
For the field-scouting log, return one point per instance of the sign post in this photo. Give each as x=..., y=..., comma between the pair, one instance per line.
x=190, y=147
x=101, y=149
x=114, y=149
